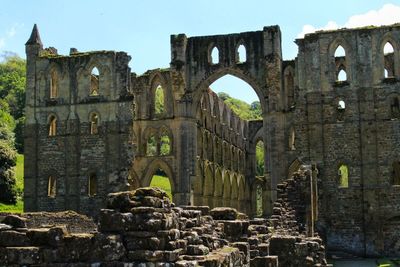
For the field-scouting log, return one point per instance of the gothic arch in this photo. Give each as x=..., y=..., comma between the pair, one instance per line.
x=210, y=49
x=153, y=167
x=198, y=183
x=157, y=79
x=147, y=133
x=204, y=84
x=389, y=38
x=239, y=60
x=288, y=87
x=235, y=187
x=242, y=188
x=227, y=185
x=339, y=41
x=218, y=186
x=208, y=186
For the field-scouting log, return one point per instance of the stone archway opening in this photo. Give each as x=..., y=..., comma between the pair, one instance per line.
x=227, y=107
x=236, y=88
x=161, y=180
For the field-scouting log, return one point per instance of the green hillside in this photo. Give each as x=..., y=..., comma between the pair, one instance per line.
x=244, y=110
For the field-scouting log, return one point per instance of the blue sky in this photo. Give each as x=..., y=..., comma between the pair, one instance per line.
x=143, y=28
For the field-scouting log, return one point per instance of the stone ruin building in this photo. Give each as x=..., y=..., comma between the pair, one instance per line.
x=92, y=128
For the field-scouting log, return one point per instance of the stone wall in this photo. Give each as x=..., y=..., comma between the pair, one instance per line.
x=308, y=115
x=143, y=228
x=361, y=217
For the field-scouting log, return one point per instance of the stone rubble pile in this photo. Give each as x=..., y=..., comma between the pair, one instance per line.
x=289, y=241
x=143, y=228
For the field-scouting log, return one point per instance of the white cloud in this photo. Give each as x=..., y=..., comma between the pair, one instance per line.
x=10, y=33
x=388, y=14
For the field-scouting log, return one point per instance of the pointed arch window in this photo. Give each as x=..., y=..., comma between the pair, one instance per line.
x=92, y=185
x=151, y=146
x=51, y=186
x=343, y=173
x=342, y=75
x=340, y=64
x=388, y=54
x=241, y=54
x=94, y=123
x=52, y=125
x=341, y=108
x=165, y=143
x=94, y=82
x=214, y=55
x=159, y=101
x=53, y=85
x=260, y=155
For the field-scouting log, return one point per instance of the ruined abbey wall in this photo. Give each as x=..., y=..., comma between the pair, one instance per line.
x=363, y=135
x=108, y=126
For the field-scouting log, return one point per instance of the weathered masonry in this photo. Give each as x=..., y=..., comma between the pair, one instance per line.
x=91, y=123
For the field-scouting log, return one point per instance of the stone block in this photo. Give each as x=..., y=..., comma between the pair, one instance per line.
x=267, y=261
x=15, y=221
x=197, y=250
x=205, y=210
x=150, y=191
x=77, y=248
x=4, y=227
x=235, y=229
x=136, y=243
x=243, y=247
x=107, y=248
x=263, y=249
x=114, y=221
x=146, y=255
x=224, y=213
x=185, y=263
x=11, y=238
x=47, y=236
x=121, y=201
x=282, y=244
x=24, y=255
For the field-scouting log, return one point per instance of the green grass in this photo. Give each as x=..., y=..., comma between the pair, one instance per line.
x=163, y=183
x=19, y=176
x=17, y=208
x=157, y=181
x=19, y=172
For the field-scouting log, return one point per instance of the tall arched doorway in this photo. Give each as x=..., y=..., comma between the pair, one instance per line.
x=161, y=180
x=223, y=119
x=159, y=174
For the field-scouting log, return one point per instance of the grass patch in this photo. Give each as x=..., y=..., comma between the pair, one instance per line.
x=19, y=173
x=163, y=183
x=17, y=208
x=19, y=181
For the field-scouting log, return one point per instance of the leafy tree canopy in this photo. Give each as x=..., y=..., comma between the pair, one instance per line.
x=244, y=110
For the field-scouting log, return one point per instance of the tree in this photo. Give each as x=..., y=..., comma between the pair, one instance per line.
x=260, y=158
x=12, y=94
x=224, y=96
x=159, y=101
x=242, y=109
x=8, y=158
